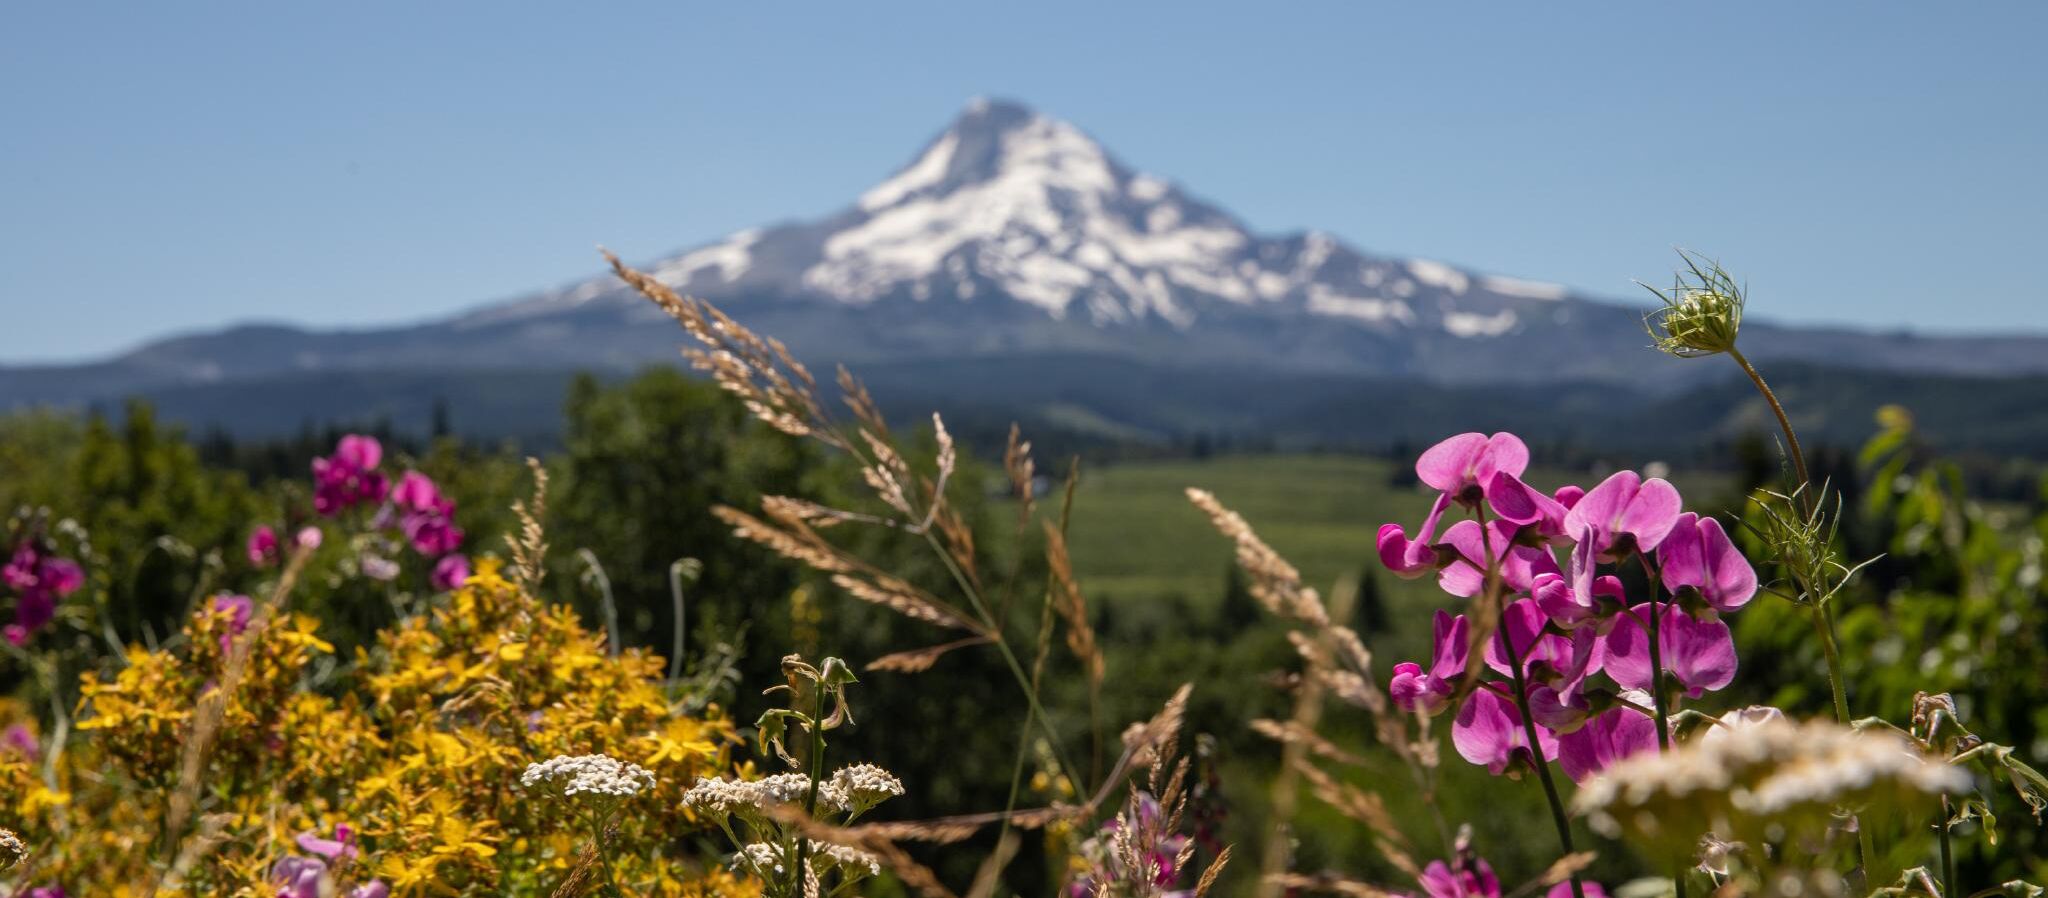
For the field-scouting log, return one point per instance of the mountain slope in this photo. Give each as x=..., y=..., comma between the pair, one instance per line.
x=1012, y=235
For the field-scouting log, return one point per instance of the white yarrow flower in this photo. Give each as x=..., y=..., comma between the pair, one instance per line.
x=12, y=851
x=588, y=775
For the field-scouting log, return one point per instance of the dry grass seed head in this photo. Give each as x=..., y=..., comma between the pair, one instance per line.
x=921, y=660
x=1071, y=605
x=1275, y=583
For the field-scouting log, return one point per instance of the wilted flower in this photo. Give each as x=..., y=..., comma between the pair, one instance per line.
x=12, y=851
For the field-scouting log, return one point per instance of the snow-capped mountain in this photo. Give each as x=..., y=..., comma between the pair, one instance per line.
x=1008, y=206
x=1014, y=236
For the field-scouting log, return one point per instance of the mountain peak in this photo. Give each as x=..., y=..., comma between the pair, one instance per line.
x=999, y=139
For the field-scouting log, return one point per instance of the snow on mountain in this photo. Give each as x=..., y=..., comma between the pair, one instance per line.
x=1008, y=205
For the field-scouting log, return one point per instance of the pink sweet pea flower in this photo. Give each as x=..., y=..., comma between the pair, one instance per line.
x=431, y=534
x=416, y=492
x=451, y=572
x=341, y=847
x=307, y=538
x=1430, y=691
x=298, y=877
x=1517, y=502
x=1488, y=732
x=1624, y=512
x=1407, y=558
x=1546, y=656
x=1567, y=608
x=1605, y=739
x=1519, y=564
x=359, y=452
x=1698, y=654
x=1698, y=555
x=262, y=546
x=1463, y=467
x=1472, y=880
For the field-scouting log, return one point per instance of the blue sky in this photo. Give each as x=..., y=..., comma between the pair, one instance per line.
x=176, y=166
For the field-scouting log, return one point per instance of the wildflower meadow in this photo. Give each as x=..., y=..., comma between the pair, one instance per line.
x=763, y=640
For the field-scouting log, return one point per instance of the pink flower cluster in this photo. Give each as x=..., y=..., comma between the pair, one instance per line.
x=1572, y=649
x=38, y=578
x=415, y=509
x=1109, y=869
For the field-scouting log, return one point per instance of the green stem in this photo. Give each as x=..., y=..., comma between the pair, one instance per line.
x=1948, y=860
x=604, y=854
x=1658, y=695
x=1002, y=643
x=1557, y=815
x=1784, y=422
x=803, y=843
x=1536, y=759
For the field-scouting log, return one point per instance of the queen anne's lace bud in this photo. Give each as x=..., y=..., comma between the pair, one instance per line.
x=12, y=851
x=1702, y=313
x=588, y=775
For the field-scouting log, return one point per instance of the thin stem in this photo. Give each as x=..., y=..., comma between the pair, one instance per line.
x=1536, y=759
x=1784, y=422
x=1557, y=815
x=1948, y=860
x=604, y=854
x=1824, y=627
x=1002, y=642
x=1658, y=695
x=803, y=844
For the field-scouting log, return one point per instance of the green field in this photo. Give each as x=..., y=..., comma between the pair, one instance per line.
x=1136, y=539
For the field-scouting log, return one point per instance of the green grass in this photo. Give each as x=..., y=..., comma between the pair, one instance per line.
x=1136, y=539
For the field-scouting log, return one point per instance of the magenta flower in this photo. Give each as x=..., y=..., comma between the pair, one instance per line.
x=431, y=534
x=416, y=492
x=1605, y=739
x=1430, y=691
x=237, y=609
x=1569, y=609
x=1698, y=555
x=298, y=877
x=451, y=572
x=39, y=581
x=307, y=538
x=1698, y=654
x=1471, y=880
x=1488, y=731
x=341, y=847
x=263, y=546
x=1546, y=656
x=359, y=452
x=349, y=477
x=1463, y=467
x=1407, y=558
x=1465, y=575
x=45, y=892
x=21, y=740
x=1624, y=512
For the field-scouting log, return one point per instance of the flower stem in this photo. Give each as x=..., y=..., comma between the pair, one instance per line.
x=1557, y=815
x=1658, y=694
x=1948, y=860
x=1784, y=422
x=803, y=843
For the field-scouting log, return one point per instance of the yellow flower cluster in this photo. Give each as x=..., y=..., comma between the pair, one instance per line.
x=417, y=744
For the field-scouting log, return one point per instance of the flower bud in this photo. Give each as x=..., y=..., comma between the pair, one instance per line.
x=1702, y=312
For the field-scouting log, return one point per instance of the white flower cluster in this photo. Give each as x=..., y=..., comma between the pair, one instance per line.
x=1761, y=765
x=589, y=775
x=723, y=796
x=767, y=857
x=12, y=851
x=867, y=785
